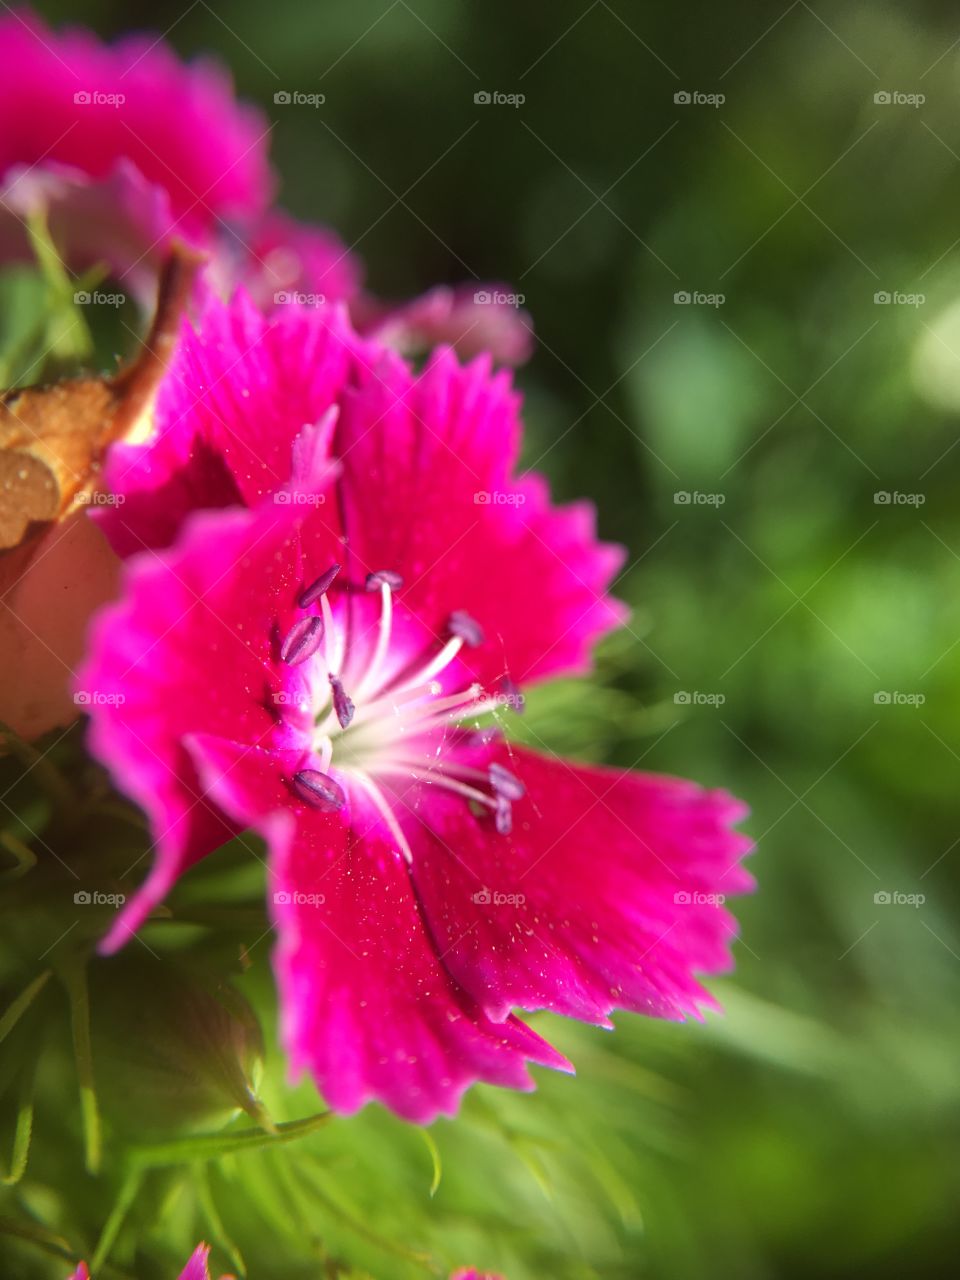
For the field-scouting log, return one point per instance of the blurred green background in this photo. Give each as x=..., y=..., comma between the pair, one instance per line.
x=811, y=632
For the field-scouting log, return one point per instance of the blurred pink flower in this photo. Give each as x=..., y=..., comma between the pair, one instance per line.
x=125, y=147
x=315, y=666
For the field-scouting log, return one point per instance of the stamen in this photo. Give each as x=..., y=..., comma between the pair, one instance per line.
x=342, y=703
x=383, y=578
x=414, y=769
x=503, y=816
x=302, y=640
x=505, y=784
x=467, y=629
x=378, y=798
x=317, y=588
x=369, y=679
x=510, y=692
x=319, y=790
x=433, y=668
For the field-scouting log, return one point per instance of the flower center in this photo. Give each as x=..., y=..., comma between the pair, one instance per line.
x=377, y=710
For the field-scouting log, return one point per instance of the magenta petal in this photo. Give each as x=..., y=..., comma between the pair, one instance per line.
x=245, y=399
x=368, y=1008
x=428, y=491
x=81, y=1273
x=188, y=648
x=537, y=920
x=178, y=124
x=287, y=258
x=472, y=319
x=196, y=1268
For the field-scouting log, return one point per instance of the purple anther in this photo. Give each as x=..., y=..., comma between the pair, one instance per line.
x=465, y=628
x=475, y=737
x=503, y=816
x=302, y=640
x=342, y=702
x=384, y=578
x=505, y=783
x=316, y=589
x=511, y=695
x=319, y=790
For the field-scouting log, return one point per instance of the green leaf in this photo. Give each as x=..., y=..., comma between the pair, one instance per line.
x=431, y=1145
x=73, y=973
x=22, y=1003
x=214, y=1146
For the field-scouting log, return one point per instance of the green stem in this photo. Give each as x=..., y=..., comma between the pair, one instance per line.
x=22, y=1003
x=74, y=976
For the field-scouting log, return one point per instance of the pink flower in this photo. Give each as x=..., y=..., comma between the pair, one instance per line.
x=470, y=1273
x=126, y=145
x=196, y=1269
x=314, y=667
x=470, y=318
